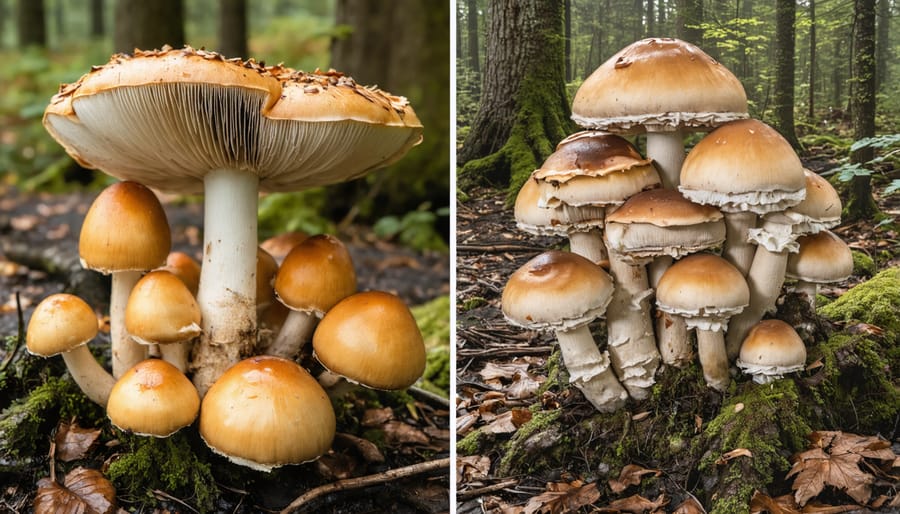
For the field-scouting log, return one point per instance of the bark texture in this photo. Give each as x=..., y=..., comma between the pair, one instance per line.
x=148, y=25
x=861, y=204
x=785, y=16
x=233, y=28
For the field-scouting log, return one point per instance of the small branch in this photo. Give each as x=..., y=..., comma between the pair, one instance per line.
x=359, y=482
x=474, y=493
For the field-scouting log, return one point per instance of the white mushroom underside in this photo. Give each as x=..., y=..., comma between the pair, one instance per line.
x=759, y=202
x=658, y=121
x=764, y=374
x=639, y=242
x=774, y=237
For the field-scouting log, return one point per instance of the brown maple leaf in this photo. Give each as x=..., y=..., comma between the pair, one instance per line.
x=562, y=497
x=636, y=504
x=83, y=491
x=73, y=442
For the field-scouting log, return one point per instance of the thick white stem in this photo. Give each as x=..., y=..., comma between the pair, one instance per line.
x=666, y=148
x=125, y=351
x=588, y=245
x=809, y=290
x=632, y=345
x=176, y=354
x=296, y=331
x=589, y=369
x=738, y=250
x=765, y=279
x=94, y=381
x=713, y=358
x=227, y=292
x=674, y=345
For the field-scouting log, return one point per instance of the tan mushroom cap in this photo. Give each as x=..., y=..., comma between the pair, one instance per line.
x=820, y=210
x=60, y=322
x=166, y=118
x=558, y=221
x=372, y=339
x=659, y=83
x=556, y=291
x=663, y=222
x=153, y=398
x=266, y=269
x=280, y=245
x=741, y=166
x=185, y=268
x=161, y=310
x=703, y=288
x=823, y=257
x=125, y=229
x=771, y=349
x=266, y=412
x=316, y=275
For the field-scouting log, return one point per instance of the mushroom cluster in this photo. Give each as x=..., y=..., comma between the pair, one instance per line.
x=187, y=120
x=697, y=240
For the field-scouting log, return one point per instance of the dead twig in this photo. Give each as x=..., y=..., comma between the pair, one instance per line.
x=480, y=491
x=358, y=482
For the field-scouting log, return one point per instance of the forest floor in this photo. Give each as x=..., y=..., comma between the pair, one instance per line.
x=502, y=377
x=38, y=257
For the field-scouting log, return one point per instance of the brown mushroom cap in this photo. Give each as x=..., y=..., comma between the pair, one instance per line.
x=166, y=118
x=185, y=268
x=59, y=323
x=315, y=275
x=280, y=245
x=659, y=83
x=161, y=310
x=771, y=349
x=266, y=412
x=703, y=288
x=558, y=221
x=663, y=222
x=742, y=166
x=153, y=398
x=372, y=339
x=125, y=229
x=556, y=291
x=820, y=210
x=823, y=257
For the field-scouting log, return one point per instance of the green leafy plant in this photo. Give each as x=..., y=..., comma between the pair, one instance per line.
x=415, y=229
x=889, y=142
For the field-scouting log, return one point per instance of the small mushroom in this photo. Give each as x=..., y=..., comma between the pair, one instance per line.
x=64, y=324
x=371, y=339
x=563, y=292
x=185, y=268
x=771, y=350
x=316, y=275
x=153, y=398
x=265, y=412
x=125, y=233
x=822, y=258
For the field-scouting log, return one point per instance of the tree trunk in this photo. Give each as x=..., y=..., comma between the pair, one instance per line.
x=233, y=28
x=568, y=39
x=812, y=62
x=413, y=62
x=524, y=111
x=148, y=25
x=883, y=45
x=651, y=26
x=3, y=15
x=689, y=16
x=31, y=23
x=783, y=97
x=98, y=25
x=472, y=35
x=861, y=204
x=59, y=18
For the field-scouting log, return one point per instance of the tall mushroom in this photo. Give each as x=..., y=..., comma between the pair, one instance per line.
x=663, y=87
x=189, y=119
x=124, y=234
x=563, y=292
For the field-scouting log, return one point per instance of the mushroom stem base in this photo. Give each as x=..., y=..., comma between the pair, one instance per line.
x=589, y=369
x=296, y=331
x=713, y=358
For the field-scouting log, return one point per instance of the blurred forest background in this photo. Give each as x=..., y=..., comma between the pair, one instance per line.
x=44, y=43
x=823, y=72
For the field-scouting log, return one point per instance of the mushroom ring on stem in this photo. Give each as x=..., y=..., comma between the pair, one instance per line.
x=64, y=324
x=563, y=292
x=190, y=119
x=705, y=290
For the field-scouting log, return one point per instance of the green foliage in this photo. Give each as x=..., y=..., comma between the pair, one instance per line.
x=433, y=319
x=863, y=265
x=876, y=302
x=414, y=229
x=285, y=212
x=145, y=464
x=890, y=142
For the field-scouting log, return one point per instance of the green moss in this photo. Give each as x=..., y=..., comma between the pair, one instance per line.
x=146, y=464
x=471, y=444
x=433, y=319
x=876, y=302
x=863, y=265
x=473, y=303
x=769, y=425
x=535, y=445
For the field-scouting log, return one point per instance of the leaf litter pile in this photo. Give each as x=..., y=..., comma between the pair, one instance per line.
x=390, y=453
x=502, y=379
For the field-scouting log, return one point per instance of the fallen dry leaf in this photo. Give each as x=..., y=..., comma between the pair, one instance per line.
x=397, y=432
x=473, y=467
x=562, y=497
x=73, y=442
x=636, y=504
x=504, y=371
x=763, y=503
x=84, y=491
x=367, y=449
x=376, y=417
x=733, y=454
x=631, y=474
x=689, y=506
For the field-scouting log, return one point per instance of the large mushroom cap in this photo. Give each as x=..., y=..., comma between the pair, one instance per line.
x=537, y=220
x=166, y=118
x=771, y=349
x=372, y=339
x=703, y=288
x=744, y=165
x=556, y=290
x=266, y=412
x=659, y=83
x=822, y=258
x=125, y=229
x=153, y=398
x=61, y=322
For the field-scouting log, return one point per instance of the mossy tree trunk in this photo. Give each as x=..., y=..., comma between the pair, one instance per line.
x=785, y=21
x=524, y=111
x=861, y=204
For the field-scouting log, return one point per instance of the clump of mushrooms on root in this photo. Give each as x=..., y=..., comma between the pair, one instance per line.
x=191, y=120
